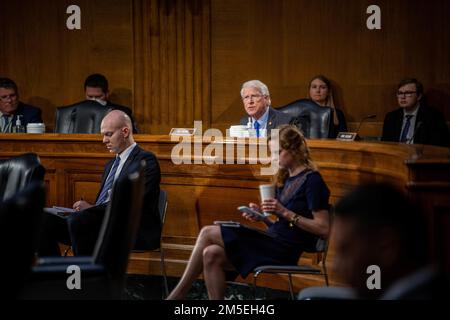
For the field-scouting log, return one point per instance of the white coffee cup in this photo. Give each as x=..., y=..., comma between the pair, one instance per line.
x=35, y=128
x=267, y=191
x=238, y=131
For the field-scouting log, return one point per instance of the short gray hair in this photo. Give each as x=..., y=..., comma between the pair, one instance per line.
x=255, y=84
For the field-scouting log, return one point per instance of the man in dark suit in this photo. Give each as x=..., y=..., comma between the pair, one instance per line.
x=414, y=121
x=11, y=107
x=263, y=118
x=96, y=88
x=82, y=227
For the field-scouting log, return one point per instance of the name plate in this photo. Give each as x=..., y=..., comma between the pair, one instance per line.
x=182, y=132
x=347, y=136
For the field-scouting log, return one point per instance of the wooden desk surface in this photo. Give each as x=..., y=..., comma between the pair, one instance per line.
x=200, y=193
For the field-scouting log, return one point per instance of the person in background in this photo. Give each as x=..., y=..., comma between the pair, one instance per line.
x=300, y=206
x=376, y=225
x=256, y=98
x=321, y=92
x=414, y=121
x=96, y=88
x=11, y=107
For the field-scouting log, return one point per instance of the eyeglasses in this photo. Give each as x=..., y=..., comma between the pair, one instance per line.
x=254, y=97
x=405, y=93
x=11, y=96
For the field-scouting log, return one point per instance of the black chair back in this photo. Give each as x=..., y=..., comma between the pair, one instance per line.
x=162, y=206
x=20, y=222
x=316, y=122
x=320, y=249
x=103, y=274
x=119, y=229
x=18, y=172
x=82, y=117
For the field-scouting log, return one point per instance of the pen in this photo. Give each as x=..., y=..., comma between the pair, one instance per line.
x=78, y=208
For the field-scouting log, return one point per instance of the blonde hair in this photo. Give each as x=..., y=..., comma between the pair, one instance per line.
x=330, y=100
x=292, y=140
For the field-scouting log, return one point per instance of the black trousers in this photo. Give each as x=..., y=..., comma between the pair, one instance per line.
x=54, y=230
x=84, y=228
x=79, y=229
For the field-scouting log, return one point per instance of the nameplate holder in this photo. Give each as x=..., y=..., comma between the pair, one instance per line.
x=182, y=131
x=348, y=136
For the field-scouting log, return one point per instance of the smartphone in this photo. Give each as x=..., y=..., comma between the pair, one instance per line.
x=253, y=213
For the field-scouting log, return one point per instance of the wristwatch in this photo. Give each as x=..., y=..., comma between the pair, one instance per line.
x=294, y=220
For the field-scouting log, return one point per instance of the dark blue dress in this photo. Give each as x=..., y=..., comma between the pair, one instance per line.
x=282, y=244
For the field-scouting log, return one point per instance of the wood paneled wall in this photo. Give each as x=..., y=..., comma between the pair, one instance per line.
x=50, y=62
x=175, y=61
x=172, y=63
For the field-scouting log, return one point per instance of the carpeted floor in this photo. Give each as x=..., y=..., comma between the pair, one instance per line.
x=141, y=287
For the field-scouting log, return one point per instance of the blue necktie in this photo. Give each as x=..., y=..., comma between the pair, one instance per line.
x=257, y=126
x=6, y=119
x=406, y=128
x=108, y=183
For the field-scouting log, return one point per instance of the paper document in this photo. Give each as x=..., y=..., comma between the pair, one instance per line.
x=60, y=211
x=63, y=209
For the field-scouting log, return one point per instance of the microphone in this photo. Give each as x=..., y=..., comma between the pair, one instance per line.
x=370, y=116
x=352, y=136
x=419, y=124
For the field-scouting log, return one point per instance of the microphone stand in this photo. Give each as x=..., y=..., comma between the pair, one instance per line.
x=371, y=116
x=352, y=136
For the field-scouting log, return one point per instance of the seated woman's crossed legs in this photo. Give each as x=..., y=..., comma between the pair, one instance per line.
x=208, y=256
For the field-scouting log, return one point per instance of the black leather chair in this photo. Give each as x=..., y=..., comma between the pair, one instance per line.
x=20, y=221
x=81, y=117
x=316, y=122
x=318, y=268
x=143, y=254
x=103, y=274
x=18, y=172
x=162, y=207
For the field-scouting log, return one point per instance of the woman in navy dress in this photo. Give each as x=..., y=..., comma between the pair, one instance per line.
x=301, y=207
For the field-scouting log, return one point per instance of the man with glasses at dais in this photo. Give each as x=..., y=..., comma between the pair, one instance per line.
x=415, y=122
x=11, y=107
